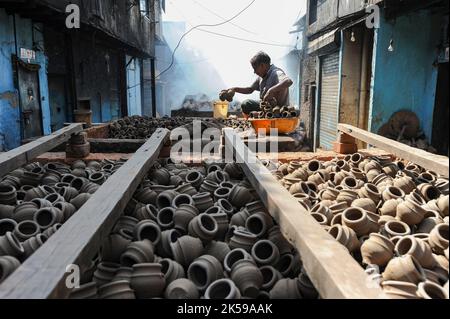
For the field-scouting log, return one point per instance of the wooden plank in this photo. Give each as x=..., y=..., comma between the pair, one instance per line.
x=22, y=155
x=429, y=161
x=332, y=270
x=43, y=275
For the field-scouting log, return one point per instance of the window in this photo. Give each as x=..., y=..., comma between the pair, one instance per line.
x=144, y=7
x=312, y=11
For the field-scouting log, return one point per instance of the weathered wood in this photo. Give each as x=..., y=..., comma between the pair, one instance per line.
x=43, y=275
x=22, y=155
x=332, y=270
x=433, y=162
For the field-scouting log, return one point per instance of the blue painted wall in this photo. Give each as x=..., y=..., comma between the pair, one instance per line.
x=406, y=77
x=10, y=115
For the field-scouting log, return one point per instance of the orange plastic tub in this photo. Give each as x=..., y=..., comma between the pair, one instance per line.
x=284, y=126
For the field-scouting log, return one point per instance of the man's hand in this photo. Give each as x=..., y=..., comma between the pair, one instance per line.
x=227, y=95
x=270, y=95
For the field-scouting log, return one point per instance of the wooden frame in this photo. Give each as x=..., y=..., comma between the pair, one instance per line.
x=43, y=275
x=20, y=156
x=436, y=163
x=331, y=268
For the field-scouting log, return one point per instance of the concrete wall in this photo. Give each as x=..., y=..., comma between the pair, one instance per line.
x=405, y=78
x=307, y=103
x=10, y=113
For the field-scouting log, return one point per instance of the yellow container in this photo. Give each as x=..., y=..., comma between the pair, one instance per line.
x=284, y=126
x=221, y=110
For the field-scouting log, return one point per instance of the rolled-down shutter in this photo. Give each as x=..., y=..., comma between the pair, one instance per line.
x=329, y=95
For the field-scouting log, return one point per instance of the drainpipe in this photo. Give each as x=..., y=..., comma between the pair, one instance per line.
x=362, y=121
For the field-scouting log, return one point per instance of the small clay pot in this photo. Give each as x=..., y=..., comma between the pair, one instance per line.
x=418, y=248
x=168, y=237
x=195, y=178
x=147, y=229
x=203, y=201
x=392, y=192
x=404, y=268
x=286, y=289
x=346, y=236
x=8, y=265
x=264, y=252
x=247, y=277
x=161, y=176
x=187, y=189
x=389, y=207
x=80, y=200
x=347, y=196
x=226, y=206
x=165, y=199
x=146, y=196
x=270, y=277
x=125, y=226
x=182, y=199
x=399, y=289
x=221, y=219
x=377, y=250
x=33, y=244
x=172, y=270
x=113, y=247
x=182, y=289
x=222, y=289
x=276, y=237
x=86, y=291
x=243, y=239
x=6, y=211
x=105, y=273
x=222, y=193
x=259, y=224
x=139, y=252
x=405, y=183
x=26, y=230
x=123, y=273
x=208, y=186
x=186, y=249
x=442, y=204
x=7, y=225
x=370, y=191
x=240, y=218
x=358, y=220
x=410, y=212
x=49, y=232
x=25, y=211
x=165, y=218
x=439, y=239
x=289, y=265
x=428, y=191
x=218, y=249
x=203, y=226
x=430, y=290
x=48, y=217
x=148, y=280
x=323, y=210
x=146, y=212
x=307, y=289
x=183, y=216
x=394, y=228
x=240, y=196
x=8, y=195
x=365, y=203
x=204, y=270
x=233, y=257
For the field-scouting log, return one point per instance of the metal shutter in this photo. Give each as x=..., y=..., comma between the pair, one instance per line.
x=329, y=95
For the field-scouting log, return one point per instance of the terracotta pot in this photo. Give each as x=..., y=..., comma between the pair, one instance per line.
x=265, y=253
x=389, y=207
x=125, y=226
x=86, y=291
x=80, y=200
x=243, y=239
x=222, y=193
x=286, y=289
x=187, y=189
x=429, y=191
x=148, y=280
x=209, y=186
x=165, y=218
x=182, y=199
x=358, y=220
x=396, y=228
x=289, y=265
x=439, y=238
x=307, y=289
x=347, y=196
x=217, y=249
x=233, y=257
x=139, y=252
x=350, y=182
x=147, y=229
x=30, y=178
x=8, y=265
x=172, y=270
x=442, y=204
x=410, y=212
x=226, y=206
x=168, y=237
x=399, y=289
x=48, y=217
x=195, y=179
x=346, y=236
x=240, y=218
x=7, y=225
x=182, y=289
x=26, y=229
x=160, y=176
x=377, y=250
x=183, y=216
x=165, y=199
x=417, y=198
x=147, y=212
x=259, y=224
x=123, y=273
x=300, y=173
x=405, y=268
x=418, y=248
x=52, y=230
x=221, y=219
x=392, y=192
x=32, y=244
x=270, y=277
x=366, y=204
x=25, y=211
x=276, y=237
x=113, y=247
x=146, y=196
x=6, y=211
x=384, y=219
x=247, y=277
x=203, y=201
x=222, y=289
x=233, y=170
x=204, y=227
x=205, y=270
x=186, y=249
x=430, y=290
x=293, y=165
x=316, y=178
x=105, y=273
x=8, y=195
x=240, y=196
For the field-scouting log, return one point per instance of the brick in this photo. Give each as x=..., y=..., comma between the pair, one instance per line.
x=345, y=148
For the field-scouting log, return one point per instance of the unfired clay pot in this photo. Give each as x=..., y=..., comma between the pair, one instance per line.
x=203, y=226
x=139, y=252
x=204, y=270
x=8, y=265
x=346, y=236
x=377, y=250
x=116, y=290
x=172, y=270
x=395, y=228
x=430, y=290
x=439, y=239
x=404, y=268
x=358, y=220
x=410, y=212
x=183, y=216
x=418, y=248
x=148, y=280
x=247, y=277
x=182, y=289
x=264, y=252
x=186, y=249
x=286, y=289
x=223, y=289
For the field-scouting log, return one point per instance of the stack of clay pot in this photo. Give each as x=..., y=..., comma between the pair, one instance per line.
x=240, y=125
x=269, y=111
x=392, y=217
x=37, y=199
x=195, y=232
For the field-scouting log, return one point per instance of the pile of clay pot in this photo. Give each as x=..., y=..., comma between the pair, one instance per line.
x=270, y=112
x=37, y=199
x=390, y=215
x=192, y=233
x=237, y=124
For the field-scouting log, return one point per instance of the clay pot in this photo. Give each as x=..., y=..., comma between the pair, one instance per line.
x=86, y=291
x=187, y=189
x=203, y=201
x=358, y=220
x=160, y=176
x=147, y=229
x=429, y=191
x=233, y=170
x=30, y=178
x=222, y=193
x=209, y=186
x=240, y=196
x=217, y=249
x=6, y=211
x=146, y=196
x=186, y=249
x=439, y=239
x=289, y=265
x=221, y=219
x=182, y=289
x=418, y=248
x=405, y=268
x=116, y=290
x=80, y=200
x=222, y=289
x=8, y=195
x=347, y=196
x=276, y=237
x=329, y=194
x=377, y=250
x=365, y=203
x=7, y=225
x=233, y=257
x=10, y=245
x=226, y=206
x=67, y=210
x=147, y=212
x=396, y=228
x=168, y=237
x=113, y=247
x=346, y=236
x=264, y=252
x=313, y=166
x=195, y=179
x=392, y=192
x=125, y=226
x=105, y=273
x=431, y=290
x=205, y=270
x=307, y=289
x=240, y=218
x=147, y=280
x=410, y=212
x=316, y=178
x=38, y=192
x=26, y=229
x=8, y=265
x=204, y=227
x=52, y=230
x=243, y=239
x=270, y=277
x=442, y=204
x=25, y=211
x=123, y=273
x=259, y=224
x=370, y=191
x=286, y=289
x=139, y=252
x=247, y=277
x=32, y=244
x=171, y=270
x=48, y=217
x=399, y=289
x=165, y=218
x=320, y=218
x=183, y=216
x=182, y=199
x=389, y=207
x=165, y=199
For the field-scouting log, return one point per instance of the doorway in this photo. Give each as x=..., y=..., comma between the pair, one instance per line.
x=441, y=113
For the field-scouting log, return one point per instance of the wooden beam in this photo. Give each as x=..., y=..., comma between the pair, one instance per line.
x=20, y=156
x=43, y=275
x=332, y=270
x=429, y=161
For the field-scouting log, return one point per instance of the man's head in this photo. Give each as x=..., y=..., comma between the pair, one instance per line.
x=261, y=63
